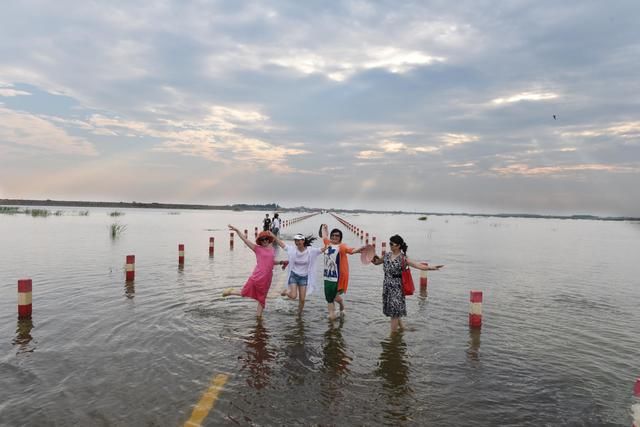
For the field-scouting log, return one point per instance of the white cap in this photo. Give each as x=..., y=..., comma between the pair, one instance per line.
x=298, y=237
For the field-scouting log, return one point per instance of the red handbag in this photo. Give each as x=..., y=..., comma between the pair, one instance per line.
x=407, y=279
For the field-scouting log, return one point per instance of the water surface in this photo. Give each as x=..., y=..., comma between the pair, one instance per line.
x=559, y=343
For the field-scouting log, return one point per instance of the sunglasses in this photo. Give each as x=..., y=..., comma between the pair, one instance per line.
x=393, y=244
x=335, y=235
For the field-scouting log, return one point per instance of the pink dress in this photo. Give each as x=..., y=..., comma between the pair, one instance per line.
x=258, y=284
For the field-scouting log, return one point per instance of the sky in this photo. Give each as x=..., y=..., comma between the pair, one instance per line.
x=436, y=106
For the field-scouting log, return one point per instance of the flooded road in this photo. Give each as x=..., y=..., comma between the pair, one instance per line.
x=559, y=343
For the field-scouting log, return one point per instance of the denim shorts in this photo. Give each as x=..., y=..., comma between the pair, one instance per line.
x=296, y=279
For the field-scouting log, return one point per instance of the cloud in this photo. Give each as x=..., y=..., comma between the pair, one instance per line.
x=629, y=131
x=6, y=91
x=461, y=95
x=523, y=169
x=25, y=129
x=452, y=139
x=525, y=96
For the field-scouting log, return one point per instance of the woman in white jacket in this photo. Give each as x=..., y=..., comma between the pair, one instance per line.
x=301, y=279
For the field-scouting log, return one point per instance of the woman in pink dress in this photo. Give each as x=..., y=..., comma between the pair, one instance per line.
x=259, y=282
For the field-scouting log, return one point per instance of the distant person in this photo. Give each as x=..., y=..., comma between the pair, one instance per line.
x=336, y=269
x=258, y=284
x=393, y=299
x=275, y=224
x=301, y=279
x=266, y=223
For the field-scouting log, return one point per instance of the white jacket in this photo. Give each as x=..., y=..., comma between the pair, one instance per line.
x=313, y=257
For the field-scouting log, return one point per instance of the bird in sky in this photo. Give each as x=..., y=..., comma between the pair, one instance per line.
x=555, y=117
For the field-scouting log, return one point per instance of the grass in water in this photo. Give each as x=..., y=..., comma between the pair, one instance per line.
x=37, y=212
x=9, y=210
x=116, y=230
x=422, y=218
x=116, y=213
x=83, y=213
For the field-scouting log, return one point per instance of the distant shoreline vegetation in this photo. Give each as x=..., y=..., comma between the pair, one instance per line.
x=271, y=207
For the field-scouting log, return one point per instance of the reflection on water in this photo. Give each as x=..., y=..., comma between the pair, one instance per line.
x=423, y=293
x=335, y=359
x=296, y=352
x=335, y=363
x=393, y=369
x=258, y=357
x=23, y=336
x=305, y=371
x=473, y=352
x=129, y=289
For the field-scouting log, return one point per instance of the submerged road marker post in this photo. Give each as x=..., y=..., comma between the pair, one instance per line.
x=635, y=408
x=231, y=240
x=130, y=268
x=475, y=309
x=246, y=233
x=24, y=298
x=255, y=232
x=423, y=282
x=181, y=254
x=384, y=248
x=212, y=242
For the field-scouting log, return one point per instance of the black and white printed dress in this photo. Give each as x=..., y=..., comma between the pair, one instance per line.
x=393, y=301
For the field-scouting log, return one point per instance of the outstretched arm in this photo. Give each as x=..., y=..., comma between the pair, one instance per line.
x=376, y=260
x=246, y=241
x=278, y=241
x=422, y=265
x=357, y=251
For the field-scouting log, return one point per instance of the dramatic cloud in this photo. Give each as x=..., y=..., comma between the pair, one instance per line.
x=484, y=106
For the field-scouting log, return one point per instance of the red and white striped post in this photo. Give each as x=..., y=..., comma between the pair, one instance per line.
x=255, y=232
x=384, y=248
x=635, y=408
x=231, y=240
x=475, y=309
x=423, y=280
x=181, y=254
x=24, y=298
x=130, y=268
x=373, y=241
x=246, y=233
x=212, y=242
x=366, y=242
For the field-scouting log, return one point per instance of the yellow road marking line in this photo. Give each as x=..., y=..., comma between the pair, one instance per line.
x=207, y=401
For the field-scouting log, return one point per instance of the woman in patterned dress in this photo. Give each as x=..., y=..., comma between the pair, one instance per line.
x=393, y=300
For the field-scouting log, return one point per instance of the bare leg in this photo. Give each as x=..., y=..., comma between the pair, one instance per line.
x=303, y=294
x=332, y=310
x=293, y=292
x=231, y=291
x=259, y=311
x=340, y=302
x=394, y=324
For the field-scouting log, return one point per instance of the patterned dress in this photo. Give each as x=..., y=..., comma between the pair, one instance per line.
x=393, y=301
